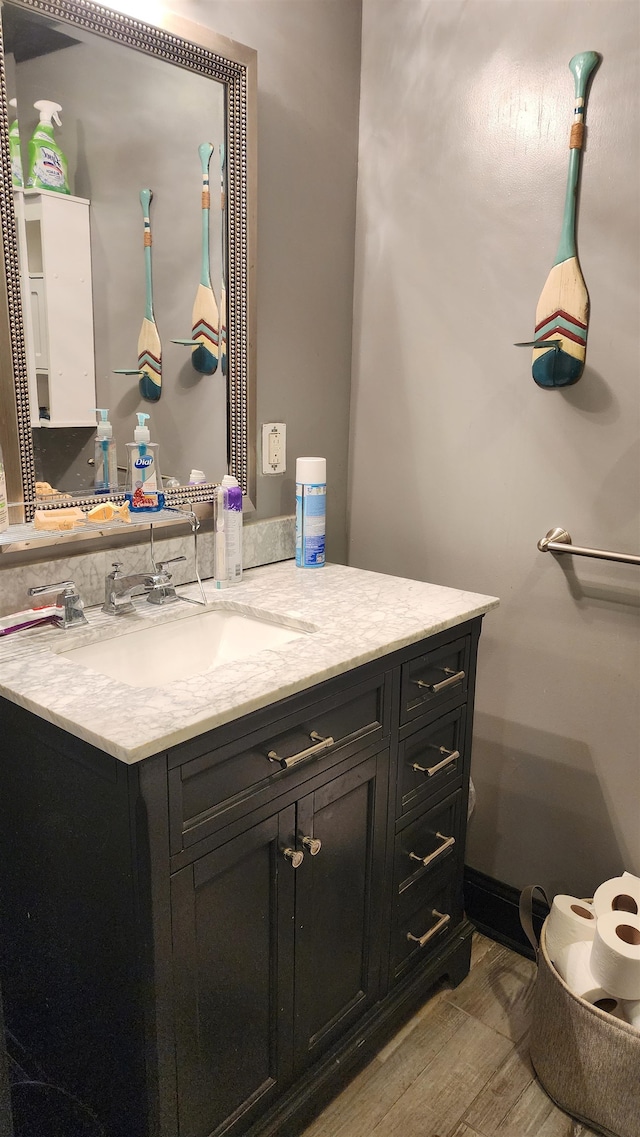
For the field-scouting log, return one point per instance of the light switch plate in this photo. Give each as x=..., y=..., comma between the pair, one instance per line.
x=274, y=447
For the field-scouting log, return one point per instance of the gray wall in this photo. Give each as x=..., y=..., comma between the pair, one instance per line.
x=459, y=463
x=308, y=89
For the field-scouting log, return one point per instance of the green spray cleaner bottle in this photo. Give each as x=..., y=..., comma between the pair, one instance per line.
x=47, y=163
x=14, y=148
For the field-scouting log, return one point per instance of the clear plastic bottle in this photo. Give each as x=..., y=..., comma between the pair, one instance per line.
x=143, y=490
x=4, y=512
x=233, y=528
x=15, y=153
x=106, y=463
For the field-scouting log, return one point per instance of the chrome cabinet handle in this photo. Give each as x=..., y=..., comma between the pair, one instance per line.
x=442, y=922
x=313, y=844
x=453, y=677
x=296, y=856
x=451, y=756
x=321, y=744
x=447, y=843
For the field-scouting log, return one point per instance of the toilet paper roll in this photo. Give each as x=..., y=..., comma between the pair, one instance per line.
x=615, y=954
x=574, y=965
x=631, y=1012
x=569, y=920
x=620, y=894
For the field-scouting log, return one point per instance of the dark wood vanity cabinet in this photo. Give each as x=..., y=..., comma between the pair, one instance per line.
x=206, y=942
x=273, y=962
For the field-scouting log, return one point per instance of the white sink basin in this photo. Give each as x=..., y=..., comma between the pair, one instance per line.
x=181, y=648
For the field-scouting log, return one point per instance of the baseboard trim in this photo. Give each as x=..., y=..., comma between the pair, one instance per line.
x=493, y=908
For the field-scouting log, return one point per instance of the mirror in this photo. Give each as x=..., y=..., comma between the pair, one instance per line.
x=99, y=282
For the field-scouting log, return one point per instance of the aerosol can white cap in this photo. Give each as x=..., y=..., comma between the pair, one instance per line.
x=311, y=471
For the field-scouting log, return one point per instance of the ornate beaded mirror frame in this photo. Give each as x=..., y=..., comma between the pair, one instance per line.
x=189, y=46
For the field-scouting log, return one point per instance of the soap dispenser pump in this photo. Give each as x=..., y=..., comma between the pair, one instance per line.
x=106, y=464
x=144, y=482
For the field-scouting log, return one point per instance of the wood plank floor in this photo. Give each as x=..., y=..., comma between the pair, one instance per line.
x=458, y=1068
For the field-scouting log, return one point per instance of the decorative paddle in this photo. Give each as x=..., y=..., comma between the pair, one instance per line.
x=223, y=246
x=562, y=315
x=149, y=348
x=204, y=318
x=149, y=367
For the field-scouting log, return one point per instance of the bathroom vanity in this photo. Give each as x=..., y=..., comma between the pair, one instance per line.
x=220, y=894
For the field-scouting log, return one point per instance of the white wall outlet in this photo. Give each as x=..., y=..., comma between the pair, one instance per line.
x=274, y=447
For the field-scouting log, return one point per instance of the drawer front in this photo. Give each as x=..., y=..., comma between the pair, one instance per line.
x=202, y=791
x=419, y=933
x=431, y=761
x=434, y=678
x=424, y=847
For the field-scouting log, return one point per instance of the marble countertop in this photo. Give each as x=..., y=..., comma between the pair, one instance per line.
x=357, y=616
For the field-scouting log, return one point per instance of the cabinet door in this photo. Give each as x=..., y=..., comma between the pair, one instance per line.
x=232, y=914
x=338, y=909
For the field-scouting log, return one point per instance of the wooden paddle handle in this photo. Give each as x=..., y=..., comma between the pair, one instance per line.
x=145, y=202
x=582, y=67
x=205, y=150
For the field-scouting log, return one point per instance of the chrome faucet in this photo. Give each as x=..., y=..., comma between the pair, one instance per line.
x=68, y=601
x=119, y=587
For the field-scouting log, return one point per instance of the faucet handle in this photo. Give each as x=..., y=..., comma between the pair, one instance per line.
x=63, y=586
x=116, y=566
x=162, y=565
x=67, y=600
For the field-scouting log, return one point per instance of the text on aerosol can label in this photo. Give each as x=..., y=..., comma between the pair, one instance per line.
x=310, y=524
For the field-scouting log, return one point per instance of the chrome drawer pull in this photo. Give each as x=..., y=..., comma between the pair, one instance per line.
x=451, y=756
x=313, y=844
x=447, y=843
x=453, y=677
x=321, y=744
x=296, y=856
x=422, y=940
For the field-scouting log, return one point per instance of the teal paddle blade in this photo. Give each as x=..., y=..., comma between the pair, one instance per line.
x=557, y=369
x=204, y=360
x=148, y=389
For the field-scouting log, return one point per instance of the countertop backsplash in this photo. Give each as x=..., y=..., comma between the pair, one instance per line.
x=264, y=542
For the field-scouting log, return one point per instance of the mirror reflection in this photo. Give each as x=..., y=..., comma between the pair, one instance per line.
x=111, y=274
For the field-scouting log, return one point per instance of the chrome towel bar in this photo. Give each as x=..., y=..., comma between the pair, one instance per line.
x=559, y=541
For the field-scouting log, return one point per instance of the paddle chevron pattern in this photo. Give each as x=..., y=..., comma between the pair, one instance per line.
x=205, y=333
x=151, y=365
x=568, y=326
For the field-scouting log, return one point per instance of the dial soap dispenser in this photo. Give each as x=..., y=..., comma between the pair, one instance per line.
x=144, y=482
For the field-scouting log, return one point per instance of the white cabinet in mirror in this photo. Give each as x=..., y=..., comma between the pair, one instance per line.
x=137, y=104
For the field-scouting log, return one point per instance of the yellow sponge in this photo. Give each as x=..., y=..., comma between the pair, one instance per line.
x=103, y=512
x=58, y=518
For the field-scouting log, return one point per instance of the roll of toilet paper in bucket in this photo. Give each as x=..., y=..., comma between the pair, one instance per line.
x=574, y=965
x=620, y=894
x=631, y=1012
x=615, y=954
x=569, y=920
